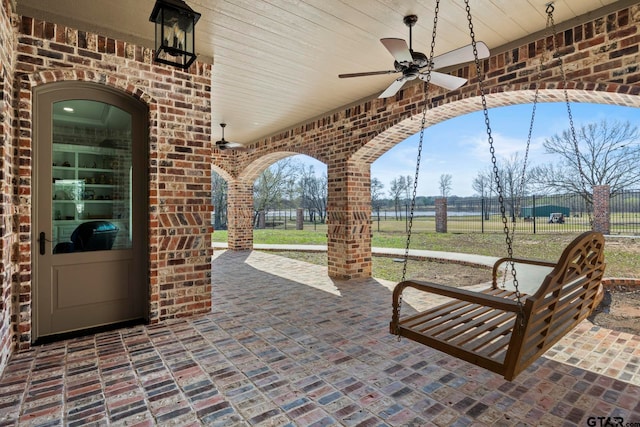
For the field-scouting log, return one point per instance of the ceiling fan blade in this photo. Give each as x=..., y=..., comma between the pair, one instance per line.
x=399, y=49
x=446, y=81
x=460, y=56
x=483, y=50
x=393, y=88
x=368, y=73
x=226, y=145
x=234, y=145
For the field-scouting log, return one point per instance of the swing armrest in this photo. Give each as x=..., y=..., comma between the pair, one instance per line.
x=499, y=262
x=457, y=293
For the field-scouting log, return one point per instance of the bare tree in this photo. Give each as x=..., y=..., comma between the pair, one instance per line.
x=313, y=192
x=398, y=187
x=445, y=184
x=512, y=182
x=219, y=199
x=408, y=188
x=482, y=183
x=609, y=154
x=272, y=184
x=513, y=185
x=376, y=192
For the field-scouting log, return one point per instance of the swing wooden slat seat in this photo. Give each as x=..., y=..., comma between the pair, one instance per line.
x=495, y=331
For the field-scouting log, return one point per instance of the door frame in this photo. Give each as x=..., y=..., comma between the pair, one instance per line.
x=43, y=98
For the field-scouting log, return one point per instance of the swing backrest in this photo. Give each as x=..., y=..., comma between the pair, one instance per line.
x=568, y=294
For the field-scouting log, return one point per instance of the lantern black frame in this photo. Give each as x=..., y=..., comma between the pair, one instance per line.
x=163, y=11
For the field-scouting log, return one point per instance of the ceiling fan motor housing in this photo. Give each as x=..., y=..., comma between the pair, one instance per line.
x=411, y=72
x=419, y=59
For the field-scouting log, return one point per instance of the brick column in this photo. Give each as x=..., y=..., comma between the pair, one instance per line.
x=15, y=166
x=601, y=213
x=240, y=215
x=299, y=219
x=348, y=220
x=441, y=215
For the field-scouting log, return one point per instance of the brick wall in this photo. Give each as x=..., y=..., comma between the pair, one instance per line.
x=240, y=214
x=601, y=60
x=8, y=238
x=441, y=215
x=601, y=212
x=179, y=168
x=348, y=220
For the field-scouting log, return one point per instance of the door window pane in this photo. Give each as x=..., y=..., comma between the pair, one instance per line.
x=91, y=170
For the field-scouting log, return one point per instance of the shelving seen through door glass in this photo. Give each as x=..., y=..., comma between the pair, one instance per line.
x=91, y=183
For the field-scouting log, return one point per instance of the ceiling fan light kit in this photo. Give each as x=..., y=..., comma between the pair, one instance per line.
x=414, y=64
x=223, y=144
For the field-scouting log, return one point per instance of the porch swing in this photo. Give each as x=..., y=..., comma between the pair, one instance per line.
x=499, y=329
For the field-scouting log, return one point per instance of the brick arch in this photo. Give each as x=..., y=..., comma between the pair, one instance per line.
x=601, y=94
x=222, y=172
x=364, y=132
x=247, y=165
x=86, y=75
x=81, y=75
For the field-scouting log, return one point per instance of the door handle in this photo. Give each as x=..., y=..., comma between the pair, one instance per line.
x=42, y=242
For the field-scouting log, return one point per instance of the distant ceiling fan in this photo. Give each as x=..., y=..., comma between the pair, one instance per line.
x=223, y=144
x=416, y=64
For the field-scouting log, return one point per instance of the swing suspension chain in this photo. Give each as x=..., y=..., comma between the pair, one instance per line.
x=523, y=177
x=521, y=185
x=574, y=139
x=494, y=162
x=419, y=156
x=420, y=143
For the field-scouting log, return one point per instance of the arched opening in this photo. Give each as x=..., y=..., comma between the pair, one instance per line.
x=291, y=194
x=456, y=165
x=288, y=192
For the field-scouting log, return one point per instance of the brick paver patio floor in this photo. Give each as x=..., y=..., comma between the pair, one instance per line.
x=287, y=346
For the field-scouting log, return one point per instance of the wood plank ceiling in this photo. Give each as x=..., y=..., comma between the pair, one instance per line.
x=276, y=61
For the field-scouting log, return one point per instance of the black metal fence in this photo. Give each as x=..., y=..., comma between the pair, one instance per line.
x=535, y=214
x=542, y=214
x=284, y=219
x=560, y=213
x=624, y=210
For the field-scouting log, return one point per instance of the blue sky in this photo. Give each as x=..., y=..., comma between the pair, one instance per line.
x=459, y=146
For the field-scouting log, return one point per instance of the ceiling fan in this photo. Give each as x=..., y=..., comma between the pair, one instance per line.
x=414, y=65
x=223, y=144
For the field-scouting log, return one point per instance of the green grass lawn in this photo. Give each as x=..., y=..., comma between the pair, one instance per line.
x=622, y=253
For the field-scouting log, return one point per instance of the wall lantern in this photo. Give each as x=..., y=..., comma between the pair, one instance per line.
x=175, y=37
